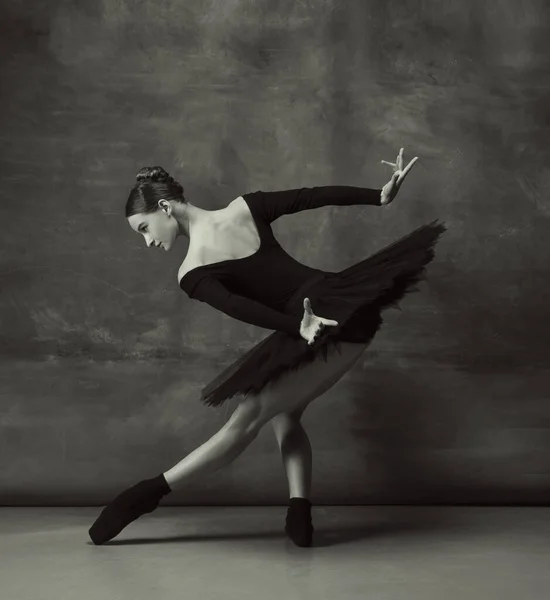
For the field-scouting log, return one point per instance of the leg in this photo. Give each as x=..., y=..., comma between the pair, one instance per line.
x=295, y=451
x=290, y=392
x=222, y=448
x=291, y=436
x=254, y=411
x=297, y=459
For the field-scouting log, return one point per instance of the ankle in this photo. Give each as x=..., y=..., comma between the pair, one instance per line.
x=157, y=485
x=299, y=501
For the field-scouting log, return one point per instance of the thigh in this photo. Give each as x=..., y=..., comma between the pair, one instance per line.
x=294, y=390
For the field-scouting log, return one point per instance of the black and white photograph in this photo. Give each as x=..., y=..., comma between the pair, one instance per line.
x=274, y=300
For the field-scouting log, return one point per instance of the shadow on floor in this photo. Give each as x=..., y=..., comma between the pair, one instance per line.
x=324, y=536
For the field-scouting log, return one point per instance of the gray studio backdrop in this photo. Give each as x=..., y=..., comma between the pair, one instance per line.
x=103, y=356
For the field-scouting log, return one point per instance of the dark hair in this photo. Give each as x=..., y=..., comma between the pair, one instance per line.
x=153, y=184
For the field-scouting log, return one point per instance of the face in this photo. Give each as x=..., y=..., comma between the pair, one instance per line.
x=159, y=229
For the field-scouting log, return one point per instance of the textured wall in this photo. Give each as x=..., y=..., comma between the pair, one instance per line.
x=103, y=356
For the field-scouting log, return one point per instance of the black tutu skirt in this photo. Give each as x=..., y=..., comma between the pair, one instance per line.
x=355, y=297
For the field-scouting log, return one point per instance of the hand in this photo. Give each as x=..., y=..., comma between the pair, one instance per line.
x=391, y=188
x=312, y=326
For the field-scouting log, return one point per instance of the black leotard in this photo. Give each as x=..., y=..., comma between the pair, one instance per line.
x=255, y=289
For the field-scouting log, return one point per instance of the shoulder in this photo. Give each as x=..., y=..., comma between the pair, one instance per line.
x=233, y=212
x=246, y=206
x=238, y=206
x=189, y=264
x=183, y=270
x=189, y=277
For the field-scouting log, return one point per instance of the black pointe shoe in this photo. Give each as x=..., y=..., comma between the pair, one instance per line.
x=138, y=500
x=298, y=522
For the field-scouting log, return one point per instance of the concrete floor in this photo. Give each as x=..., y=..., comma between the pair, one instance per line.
x=204, y=553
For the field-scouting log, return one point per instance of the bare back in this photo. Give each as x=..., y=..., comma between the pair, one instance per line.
x=234, y=235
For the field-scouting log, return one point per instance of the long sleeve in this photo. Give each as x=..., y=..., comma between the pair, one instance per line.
x=272, y=205
x=214, y=293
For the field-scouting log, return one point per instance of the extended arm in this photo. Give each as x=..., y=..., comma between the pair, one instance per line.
x=214, y=293
x=272, y=205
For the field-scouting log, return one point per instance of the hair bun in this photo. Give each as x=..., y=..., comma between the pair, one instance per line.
x=147, y=174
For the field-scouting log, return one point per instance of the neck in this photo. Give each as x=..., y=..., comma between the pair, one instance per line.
x=189, y=217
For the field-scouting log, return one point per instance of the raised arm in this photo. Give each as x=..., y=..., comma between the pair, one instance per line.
x=214, y=293
x=272, y=205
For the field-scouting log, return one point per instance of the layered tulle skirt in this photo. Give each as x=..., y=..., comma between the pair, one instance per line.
x=354, y=297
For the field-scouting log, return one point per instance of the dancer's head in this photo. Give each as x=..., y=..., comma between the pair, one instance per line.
x=154, y=205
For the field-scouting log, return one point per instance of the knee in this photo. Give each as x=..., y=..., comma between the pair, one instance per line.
x=285, y=423
x=247, y=419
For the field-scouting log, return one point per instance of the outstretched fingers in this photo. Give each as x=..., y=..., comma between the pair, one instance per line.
x=398, y=164
x=400, y=159
x=406, y=170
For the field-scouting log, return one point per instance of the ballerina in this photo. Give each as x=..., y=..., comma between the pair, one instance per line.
x=321, y=322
